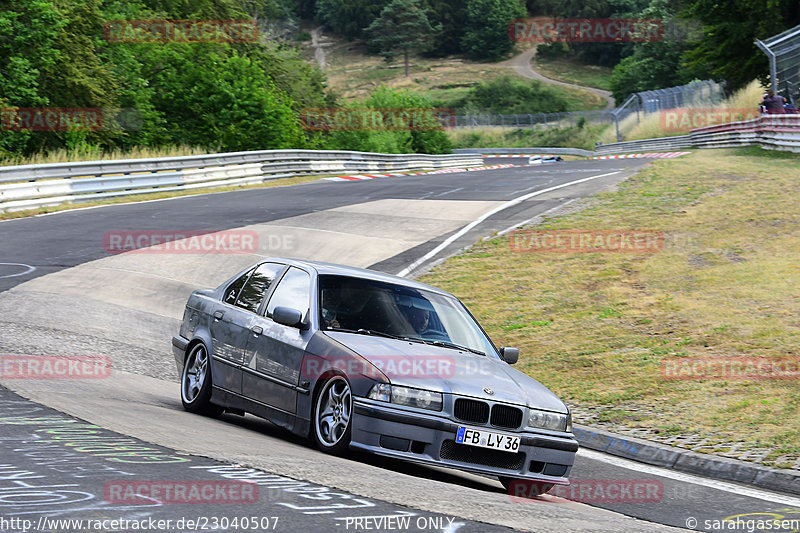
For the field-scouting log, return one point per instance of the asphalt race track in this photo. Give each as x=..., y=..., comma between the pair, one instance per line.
x=64, y=292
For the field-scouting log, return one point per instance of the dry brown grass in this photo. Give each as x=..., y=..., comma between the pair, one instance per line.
x=596, y=328
x=63, y=155
x=650, y=125
x=353, y=74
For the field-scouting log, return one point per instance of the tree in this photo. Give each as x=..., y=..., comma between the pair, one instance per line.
x=450, y=14
x=652, y=65
x=403, y=25
x=486, y=28
x=225, y=103
x=428, y=140
x=726, y=50
x=512, y=95
x=348, y=18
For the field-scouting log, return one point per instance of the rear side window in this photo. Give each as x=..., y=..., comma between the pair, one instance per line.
x=232, y=292
x=293, y=291
x=253, y=292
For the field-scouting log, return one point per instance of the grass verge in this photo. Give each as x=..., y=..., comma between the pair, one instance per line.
x=652, y=125
x=353, y=74
x=96, y=154
x=597, y=328
x=574, y=71
x=555, y=137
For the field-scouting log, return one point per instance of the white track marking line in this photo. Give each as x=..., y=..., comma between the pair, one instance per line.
x=447, y=242
x=515, y=226
x=742, y=490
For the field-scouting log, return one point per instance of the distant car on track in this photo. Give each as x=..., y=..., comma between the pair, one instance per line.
x=361, y=359
x=540, y=159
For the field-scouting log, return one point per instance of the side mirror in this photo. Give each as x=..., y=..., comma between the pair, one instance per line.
x=509, y=355
x=288, y=317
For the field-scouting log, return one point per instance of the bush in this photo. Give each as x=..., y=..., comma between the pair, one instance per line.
x=386, y=141
x=496, y=137
x=512, y=96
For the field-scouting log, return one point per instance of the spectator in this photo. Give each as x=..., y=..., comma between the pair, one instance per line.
x=773, y=103
x=790, y=108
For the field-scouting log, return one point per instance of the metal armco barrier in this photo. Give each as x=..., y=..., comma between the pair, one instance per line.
x=33, y=186
x=511, y=151
x=771, y=132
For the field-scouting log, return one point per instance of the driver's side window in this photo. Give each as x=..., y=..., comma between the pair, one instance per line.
x=294, y=291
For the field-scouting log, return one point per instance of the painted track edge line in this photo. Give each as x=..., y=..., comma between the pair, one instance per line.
x=447, y=242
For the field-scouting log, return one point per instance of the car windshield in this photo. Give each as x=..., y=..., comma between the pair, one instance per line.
x=388, y=309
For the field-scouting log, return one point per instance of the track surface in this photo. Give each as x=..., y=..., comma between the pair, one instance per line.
x=81, y=300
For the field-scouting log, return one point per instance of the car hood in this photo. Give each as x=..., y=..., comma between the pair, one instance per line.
x=446, y=370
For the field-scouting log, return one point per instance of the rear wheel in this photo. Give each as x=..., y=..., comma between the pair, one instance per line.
x=196, y=382
x=525, y=488
x=333, y=415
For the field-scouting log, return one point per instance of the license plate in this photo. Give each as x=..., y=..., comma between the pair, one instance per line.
x=487, y=439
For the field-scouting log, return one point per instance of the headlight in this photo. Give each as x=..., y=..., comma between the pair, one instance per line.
x=552, y=421
x=422, y=399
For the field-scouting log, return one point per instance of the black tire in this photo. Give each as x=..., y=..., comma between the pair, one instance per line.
x=196, y=382
x=524, y=488
x=333, y=416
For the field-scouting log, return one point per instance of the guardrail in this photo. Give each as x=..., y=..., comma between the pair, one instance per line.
x=771, y=132
x=33, y=186
x=511, y=151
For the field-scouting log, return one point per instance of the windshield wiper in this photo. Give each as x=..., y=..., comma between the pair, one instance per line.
x=453, y=345
x=443, y=344
x=362, y=331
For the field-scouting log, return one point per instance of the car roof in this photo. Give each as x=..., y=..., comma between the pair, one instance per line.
x=323, y=268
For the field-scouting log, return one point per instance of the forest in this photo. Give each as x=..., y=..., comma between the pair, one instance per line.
x=243, y=85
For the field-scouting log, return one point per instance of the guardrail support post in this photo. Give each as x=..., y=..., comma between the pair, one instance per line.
x=773, y=68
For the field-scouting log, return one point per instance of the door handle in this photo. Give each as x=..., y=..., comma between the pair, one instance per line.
x=257, y=330
x=218, y=315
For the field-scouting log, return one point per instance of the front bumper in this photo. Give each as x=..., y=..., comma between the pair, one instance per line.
x=386, y=430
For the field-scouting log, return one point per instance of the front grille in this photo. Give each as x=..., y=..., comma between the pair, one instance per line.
x=481, y=456
x=504, y=416
x=471, y=411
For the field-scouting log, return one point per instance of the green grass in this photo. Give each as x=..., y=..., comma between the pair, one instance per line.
x=353, y=75
x=574, y=71
x=724, y=285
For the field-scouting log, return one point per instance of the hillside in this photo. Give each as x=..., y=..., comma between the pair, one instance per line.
x=354, y=74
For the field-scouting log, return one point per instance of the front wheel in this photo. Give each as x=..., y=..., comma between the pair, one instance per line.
x=332, y=416
x=196, y=383
x=524, y=488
